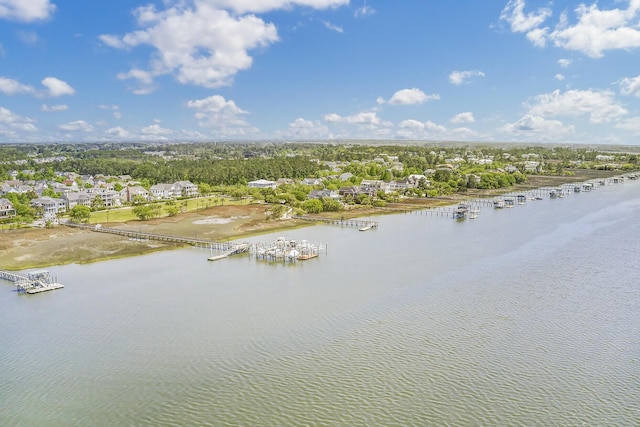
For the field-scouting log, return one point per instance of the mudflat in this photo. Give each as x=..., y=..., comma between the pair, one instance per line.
x=40, y=247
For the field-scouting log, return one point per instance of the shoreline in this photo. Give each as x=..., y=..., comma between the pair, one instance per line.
x=31, y=248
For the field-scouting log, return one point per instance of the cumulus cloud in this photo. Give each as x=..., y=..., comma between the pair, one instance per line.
x=410, y=97
x=76, y=126
x=200, y=42
x=632, y=124
x=155, y=130
x=600, y=106
x=53, y=108
x=466, y=117
x=56, y=87
x=119, y=132
x=365, y=118
x=12, y=87
x=598, y=30
x=630, y=86
x=305, y=129
x=594, y=32
x=564, y=63
x=530, y=125
x=221, y=115
x=11, y=125
x=415, y=129
x=26, y=10
x=244, y=6
x=460, y=77
x=528, y=23
x=559, y=77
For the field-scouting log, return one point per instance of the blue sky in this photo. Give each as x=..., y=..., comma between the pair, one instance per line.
x=436, y=70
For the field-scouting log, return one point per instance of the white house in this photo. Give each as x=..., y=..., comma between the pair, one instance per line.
x=262, y=183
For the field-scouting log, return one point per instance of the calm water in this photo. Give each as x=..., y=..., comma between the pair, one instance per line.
x=524, y=316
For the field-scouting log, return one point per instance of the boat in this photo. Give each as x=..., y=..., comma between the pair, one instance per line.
x=498, y=204
x=366, y=227
x=473, y=213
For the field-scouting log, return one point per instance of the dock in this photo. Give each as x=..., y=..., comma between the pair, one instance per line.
x=33, y=282
x=360, y=224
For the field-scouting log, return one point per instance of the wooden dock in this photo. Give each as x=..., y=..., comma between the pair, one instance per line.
x=358, y=223
x=34, y=282
x=139, y=235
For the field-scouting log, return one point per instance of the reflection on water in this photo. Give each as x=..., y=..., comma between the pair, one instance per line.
x=525, y=316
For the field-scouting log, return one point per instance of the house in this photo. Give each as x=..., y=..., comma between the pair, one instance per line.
x=6, y=209
x=73, y=199
x=311, y=181
x=262, y=183
x=162, y=191
x=321, y=194
x=128, y=193
x=185, y=189
x=50, y=206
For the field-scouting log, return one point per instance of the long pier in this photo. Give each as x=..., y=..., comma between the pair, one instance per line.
x=359, y=223
x=139, y=235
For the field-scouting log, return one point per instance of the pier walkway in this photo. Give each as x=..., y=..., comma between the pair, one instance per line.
x=359, y=223
x=232, y=248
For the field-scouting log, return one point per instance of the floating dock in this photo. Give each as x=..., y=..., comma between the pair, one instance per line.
x=283, y=250
x=33, y=282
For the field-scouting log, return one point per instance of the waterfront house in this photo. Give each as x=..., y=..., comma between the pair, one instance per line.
x=162, y=191
x=73, y=199
x=6, y=209
x=128, y=193
x=185, y=189
x=50, y=206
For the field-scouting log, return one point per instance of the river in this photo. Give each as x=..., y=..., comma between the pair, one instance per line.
x=523, y=316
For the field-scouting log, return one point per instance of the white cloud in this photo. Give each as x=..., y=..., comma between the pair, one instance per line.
x=26, y=10
x=305, y=129
x=466, y=117
x=460, y=77
x=155, y=130
x=333, y=27
x=11, y=125
x=222, y=116
x=77, y=126
x=632, y=124
x=244, y=6
x=57, y=87
x=600, y=106
x=52, y=108
x=519, y=22
x=598, y=30
x=12, y=87
x=364, y=10
x=564, y=63
x=559, y=77
x=365, y=118
x=411, y=97
x=119, y=132
x=530, y=125
x=630, y=86
x=414, y=129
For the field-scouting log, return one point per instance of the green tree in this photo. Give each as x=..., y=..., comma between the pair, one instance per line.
x=312, y=206
x=143, y=212
x=80, y=213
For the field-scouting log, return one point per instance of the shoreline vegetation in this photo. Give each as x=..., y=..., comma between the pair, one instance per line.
x=29, y=248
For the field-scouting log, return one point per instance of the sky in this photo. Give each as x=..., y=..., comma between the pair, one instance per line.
x=214, y=70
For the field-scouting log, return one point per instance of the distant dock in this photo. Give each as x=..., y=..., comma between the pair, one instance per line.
x=362, y=225
x=33, y=282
